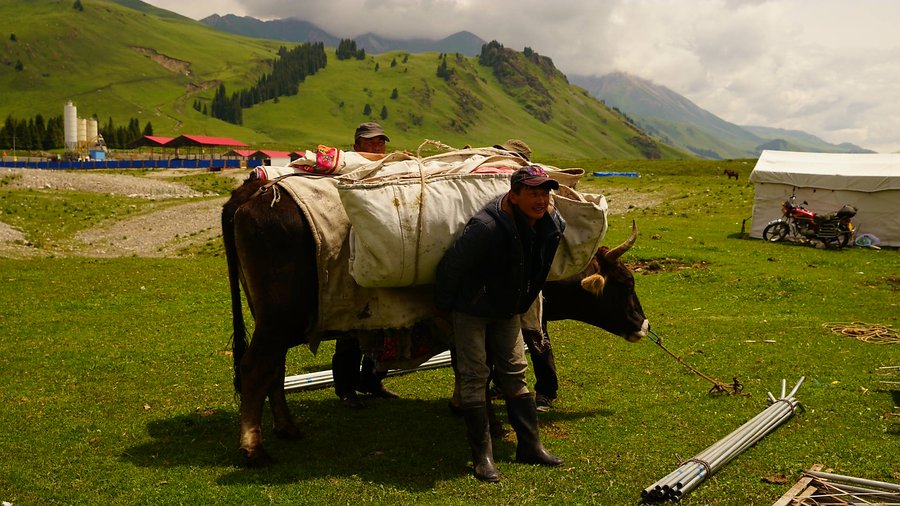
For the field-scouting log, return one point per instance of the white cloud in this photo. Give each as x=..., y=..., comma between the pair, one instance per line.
x=827, y=67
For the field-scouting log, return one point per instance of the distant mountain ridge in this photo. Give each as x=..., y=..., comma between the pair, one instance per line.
x=682, y=124
x=297, y=30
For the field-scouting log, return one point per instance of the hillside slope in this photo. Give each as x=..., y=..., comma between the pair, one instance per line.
x=124, y=59
x=682, y=124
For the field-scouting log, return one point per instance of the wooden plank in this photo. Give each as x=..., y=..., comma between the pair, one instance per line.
x=798, y=488
x=806, y=495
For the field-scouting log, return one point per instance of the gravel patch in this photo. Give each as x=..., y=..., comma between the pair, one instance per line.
x=109, y=184
x=158, y=234
x=161, y=233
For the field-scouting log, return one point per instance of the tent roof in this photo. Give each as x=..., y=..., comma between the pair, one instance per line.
x=864, y=172
x=202, y=140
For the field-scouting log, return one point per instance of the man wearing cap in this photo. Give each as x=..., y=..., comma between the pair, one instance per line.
x=537, y=342
x=352, y=371
x=490, y=276
x=516, y=147
x=370, y=140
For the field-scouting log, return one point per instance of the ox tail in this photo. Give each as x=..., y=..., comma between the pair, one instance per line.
x=239, y=338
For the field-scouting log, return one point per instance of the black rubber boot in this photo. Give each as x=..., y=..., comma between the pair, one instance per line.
x=477, y=432
x=345, y=371
x=523, y=417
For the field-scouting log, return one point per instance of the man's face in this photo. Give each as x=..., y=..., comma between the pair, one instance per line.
x=532, y=201
x=370, y=145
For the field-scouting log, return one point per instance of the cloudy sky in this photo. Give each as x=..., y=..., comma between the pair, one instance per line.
x=828, y=67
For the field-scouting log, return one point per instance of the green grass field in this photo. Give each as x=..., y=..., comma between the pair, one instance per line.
x=117, y=376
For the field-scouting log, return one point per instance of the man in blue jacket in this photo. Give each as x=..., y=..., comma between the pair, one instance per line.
x=486, y=280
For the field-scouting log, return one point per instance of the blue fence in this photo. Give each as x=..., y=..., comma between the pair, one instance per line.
x=616, y=174
x=215, y=164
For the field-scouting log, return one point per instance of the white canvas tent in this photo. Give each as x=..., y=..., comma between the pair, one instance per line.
x=870, y=182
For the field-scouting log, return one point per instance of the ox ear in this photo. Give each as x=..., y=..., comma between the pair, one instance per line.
x=594, y=284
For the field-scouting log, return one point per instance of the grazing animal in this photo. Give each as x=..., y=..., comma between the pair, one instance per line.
x=271, y=252
x=731, y=174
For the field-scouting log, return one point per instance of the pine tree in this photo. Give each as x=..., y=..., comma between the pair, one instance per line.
x=384, y=113
x=394, y=94
x=367, y=110
x=78, y=7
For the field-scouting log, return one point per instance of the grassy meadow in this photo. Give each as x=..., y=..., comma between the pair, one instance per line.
x=117, y=375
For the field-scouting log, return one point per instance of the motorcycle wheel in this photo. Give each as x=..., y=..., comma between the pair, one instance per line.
x=775, y=232
x=844, y=239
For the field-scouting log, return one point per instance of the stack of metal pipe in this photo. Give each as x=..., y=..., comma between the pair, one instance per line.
x=322, y=379
x=693, y=471
x=852, y=490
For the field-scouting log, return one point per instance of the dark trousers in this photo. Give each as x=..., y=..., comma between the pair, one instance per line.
x=538, y=344
x=349, y=376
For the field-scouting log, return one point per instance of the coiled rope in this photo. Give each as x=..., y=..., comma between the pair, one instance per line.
x=866, y=332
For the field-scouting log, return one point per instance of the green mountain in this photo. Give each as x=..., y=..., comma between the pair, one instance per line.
x=297, y=30
x=802, y=141
x=125, y=59
x=682, y=124
x=287, y=30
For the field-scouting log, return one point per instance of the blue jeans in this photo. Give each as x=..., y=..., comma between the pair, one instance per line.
x=482, y=341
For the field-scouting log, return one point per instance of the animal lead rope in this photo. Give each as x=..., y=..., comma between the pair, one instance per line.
x=718, y=387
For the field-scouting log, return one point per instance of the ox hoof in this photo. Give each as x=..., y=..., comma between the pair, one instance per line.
x=257, y=458
x=289, y=433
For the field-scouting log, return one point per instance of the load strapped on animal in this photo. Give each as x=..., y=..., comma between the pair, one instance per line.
x=298, y=243
x=381, y=228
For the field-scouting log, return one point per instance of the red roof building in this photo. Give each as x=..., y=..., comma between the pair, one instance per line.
x=203, y=141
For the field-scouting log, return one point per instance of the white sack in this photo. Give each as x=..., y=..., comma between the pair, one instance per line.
x=586, y=225
x=388, y=248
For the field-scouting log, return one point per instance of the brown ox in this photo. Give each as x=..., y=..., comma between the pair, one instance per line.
x=271, y=252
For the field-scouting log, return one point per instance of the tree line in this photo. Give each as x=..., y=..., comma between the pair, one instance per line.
x=288, y=71
x=347, y=49
x=39, y=134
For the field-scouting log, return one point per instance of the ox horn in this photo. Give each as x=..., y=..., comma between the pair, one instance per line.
x=614, y=254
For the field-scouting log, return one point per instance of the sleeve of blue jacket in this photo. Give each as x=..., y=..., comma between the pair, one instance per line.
x=471, y=247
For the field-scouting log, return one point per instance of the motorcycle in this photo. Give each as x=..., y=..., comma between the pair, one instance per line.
x=803, y=225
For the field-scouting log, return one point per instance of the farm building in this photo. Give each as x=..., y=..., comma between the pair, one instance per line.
x=870, y=182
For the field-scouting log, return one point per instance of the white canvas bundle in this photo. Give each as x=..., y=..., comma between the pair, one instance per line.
x=586, y=224
x=396, y=242
x=401, y=228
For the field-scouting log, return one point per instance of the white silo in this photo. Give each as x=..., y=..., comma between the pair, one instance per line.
x=70, y=126
x=82, y=131
x=92, y=132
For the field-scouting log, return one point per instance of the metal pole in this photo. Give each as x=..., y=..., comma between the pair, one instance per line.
x=692, y=472
x=857, y=481
x=323, y=379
